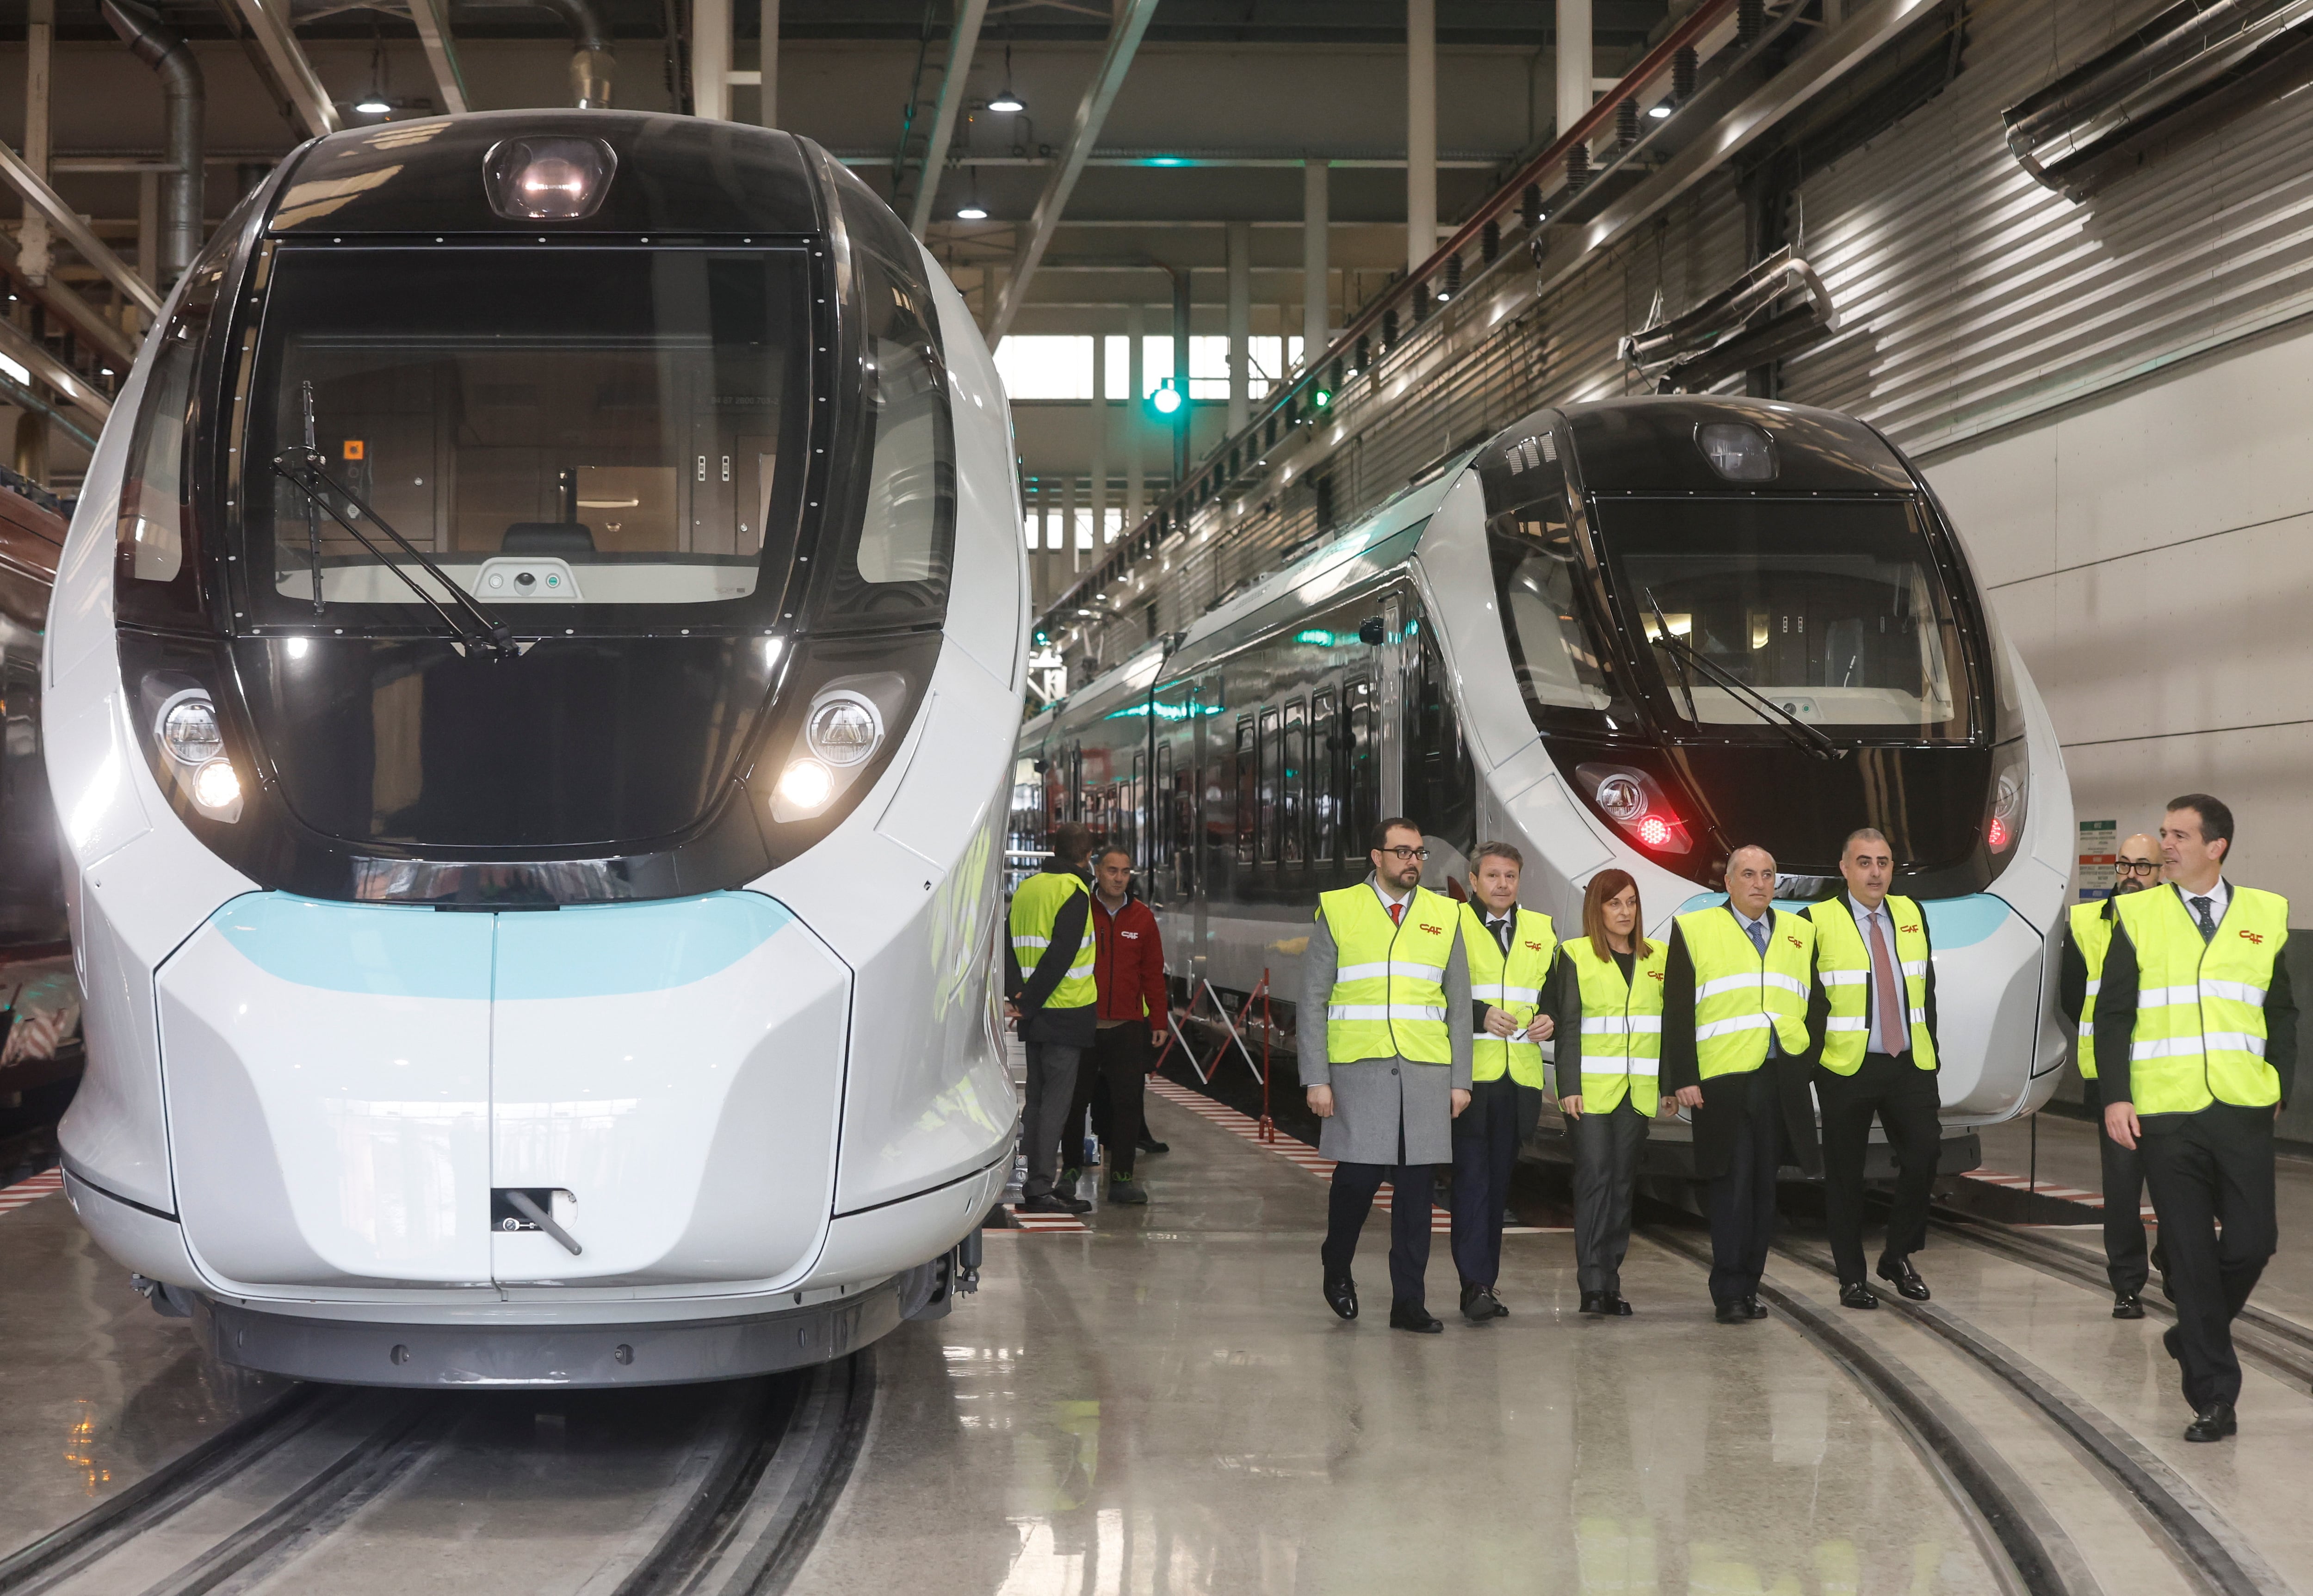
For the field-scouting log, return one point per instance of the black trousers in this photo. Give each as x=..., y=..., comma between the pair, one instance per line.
x=1605, y=1167
x=1354, y=1188
x=1904, y=1097
x=1743, y=1200
x=2206, y=1169
x=1109, y=1087
x=1485, y=1150
x=2124, y=1262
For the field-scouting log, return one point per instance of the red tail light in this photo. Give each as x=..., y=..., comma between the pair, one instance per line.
x=1655, y=830
x=1997, y=834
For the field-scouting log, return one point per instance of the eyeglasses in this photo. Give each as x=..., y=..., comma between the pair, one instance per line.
x=2138, y=867
x=1404, y=853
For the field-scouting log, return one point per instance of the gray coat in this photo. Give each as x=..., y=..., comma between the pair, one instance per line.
x=1377, y=1100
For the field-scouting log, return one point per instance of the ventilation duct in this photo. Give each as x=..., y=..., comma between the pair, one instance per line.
x=1735, y=330
x=2193, y=68
x=172, y=60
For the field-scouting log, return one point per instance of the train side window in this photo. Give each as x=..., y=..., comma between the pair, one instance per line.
x=1245, y=779
x=1362, y=763
x=1553, y=649
x=1270, y=767
x=1133, y=799
x=1324, y=766
x=153, y=580
x=1160, y=821
x=1294, y=815
x=1440, y=785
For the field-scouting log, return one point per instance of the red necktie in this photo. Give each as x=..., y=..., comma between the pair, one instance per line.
x=1894, y=1022
x=1397, y=914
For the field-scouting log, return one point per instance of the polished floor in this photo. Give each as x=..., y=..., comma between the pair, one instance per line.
x=1161, y=1403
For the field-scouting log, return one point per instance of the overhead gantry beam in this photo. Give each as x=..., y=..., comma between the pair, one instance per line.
x=267, y=22
x=432, y=18
x=73, y=388
x=1123, y=43
x=68, y=225
x=961, y=44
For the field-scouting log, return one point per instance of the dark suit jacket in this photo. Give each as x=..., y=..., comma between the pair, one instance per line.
x=1819, y=998
x=1715, y=1132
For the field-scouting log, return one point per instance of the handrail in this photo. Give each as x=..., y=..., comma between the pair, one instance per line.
x=1697, y=23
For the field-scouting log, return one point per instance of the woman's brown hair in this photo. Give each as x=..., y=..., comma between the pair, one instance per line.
x=1604, y=887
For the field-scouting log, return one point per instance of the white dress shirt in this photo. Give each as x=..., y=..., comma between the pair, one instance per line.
x=1890, y=1033
x=1774, y=1042
x=2218, y=896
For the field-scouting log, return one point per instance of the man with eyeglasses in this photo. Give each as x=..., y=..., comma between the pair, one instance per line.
x=1388, y=979
x=2079, y=973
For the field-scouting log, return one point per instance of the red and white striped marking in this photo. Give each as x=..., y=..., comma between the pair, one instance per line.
x=1049, y=1222
x=47, y=1183
x=1298, y=1153
x=2047, y=1189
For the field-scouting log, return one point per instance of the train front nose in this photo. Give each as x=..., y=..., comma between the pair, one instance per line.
x=365, y=1096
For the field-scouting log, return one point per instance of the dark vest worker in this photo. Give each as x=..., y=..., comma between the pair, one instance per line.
x=2088, y=933
x=1735, y=1052
x=1873, y=1009
x=2196, y=1045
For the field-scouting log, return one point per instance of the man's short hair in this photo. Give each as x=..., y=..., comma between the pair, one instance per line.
x=1865, y=834
x=1071, y=842
x=1749, y=847
x=1394, y=823
x=1116, y=848
x=1496, y=850
x=2216, y=816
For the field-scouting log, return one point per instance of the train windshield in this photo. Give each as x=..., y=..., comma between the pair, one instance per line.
x=1833, y=611
x=594, y=430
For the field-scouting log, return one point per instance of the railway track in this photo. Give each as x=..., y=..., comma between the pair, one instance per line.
x=745, y=1476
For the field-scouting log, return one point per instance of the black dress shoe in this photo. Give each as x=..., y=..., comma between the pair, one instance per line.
x=1856, y=1294
x=1478, y=1304
x=1753, y=1309
x=2212, y=1423
x=1342, y=1295
x=1898, y=1272
x=1148, y=1144
x=2129, y=1306
x=1414, y=1317
x=1621, y=1305
x=1734, y=1312
x=1053, y=1202
x=1596, y=1303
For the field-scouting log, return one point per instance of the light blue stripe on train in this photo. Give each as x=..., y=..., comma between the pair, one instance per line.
x=607, y=949
x=1953, y=922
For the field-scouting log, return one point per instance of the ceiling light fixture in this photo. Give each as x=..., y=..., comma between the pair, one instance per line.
x=1006, y=100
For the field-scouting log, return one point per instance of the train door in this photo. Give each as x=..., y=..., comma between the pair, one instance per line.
x=1389, y=666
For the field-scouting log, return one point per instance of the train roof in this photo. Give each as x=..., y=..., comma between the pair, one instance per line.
x=1649, y=444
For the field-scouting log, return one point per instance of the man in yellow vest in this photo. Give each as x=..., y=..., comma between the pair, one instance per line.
x=1384, y=1053
x=1053, y=1001
x=1872, y=1011
x=2080, y=969
x=1510, y=950
x=2196, y=1050
x=1735, y=1053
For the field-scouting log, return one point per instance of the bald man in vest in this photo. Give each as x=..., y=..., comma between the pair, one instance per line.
x=2196, y=1050
x=1384, y=1054
x=1735, y=1053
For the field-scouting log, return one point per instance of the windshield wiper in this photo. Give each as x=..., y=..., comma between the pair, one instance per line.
x=480, y=630
x=1800, y=733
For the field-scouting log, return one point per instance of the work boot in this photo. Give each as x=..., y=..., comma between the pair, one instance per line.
x=1123, y=1190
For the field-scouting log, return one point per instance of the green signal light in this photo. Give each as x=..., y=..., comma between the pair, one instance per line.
x=1321, y=397
x=1165, y=398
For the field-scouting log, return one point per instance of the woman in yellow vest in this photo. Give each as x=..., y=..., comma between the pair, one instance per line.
x=1510, y=949
x=1607, y=993
x=2196, y=1048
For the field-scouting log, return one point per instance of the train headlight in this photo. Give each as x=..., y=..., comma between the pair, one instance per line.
x=189, y=731
x=548, y=179
x=805, y=787
x=837, y=733
x=844, y=728
x=1635, y=802
x=215, y=788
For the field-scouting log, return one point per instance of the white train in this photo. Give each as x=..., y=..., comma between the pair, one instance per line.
x=1637, y=633
x=528, y=695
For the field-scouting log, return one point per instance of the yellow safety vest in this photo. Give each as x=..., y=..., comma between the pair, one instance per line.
x=1035, y=909
x=1738, y=995
x=1512, y=984
x=1843, y=963
x=1621, y=1027
x=2092, y=936
x=1389, y=978
x=2200, y=1007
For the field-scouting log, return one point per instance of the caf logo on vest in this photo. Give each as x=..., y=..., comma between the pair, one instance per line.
x=1434, y=930
x=2256, y=938
x=1792, y=940
x=1907, y=930
x=1535, y=947
x=1655, y=975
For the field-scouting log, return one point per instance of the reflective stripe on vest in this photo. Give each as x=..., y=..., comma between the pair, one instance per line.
x=2199, y=1036
x=2092, y=936
x=1621, y=1027
x=1512, y=984
x=1035, y=910
x=1843, y=964
x=1738, y=995
x=1388, y=998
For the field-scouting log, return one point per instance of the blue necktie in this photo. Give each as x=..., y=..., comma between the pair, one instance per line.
x=1758, y=933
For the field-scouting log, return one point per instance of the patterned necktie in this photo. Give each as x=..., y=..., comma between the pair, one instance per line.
x=1883, y=977
x=2208, y=926
x=1397, y=914
x=1757, y=930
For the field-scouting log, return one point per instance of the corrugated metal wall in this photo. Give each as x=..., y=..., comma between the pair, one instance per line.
x=1973, y=297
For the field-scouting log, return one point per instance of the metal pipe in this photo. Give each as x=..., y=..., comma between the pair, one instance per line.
x=592, y=63
x=160, y=48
